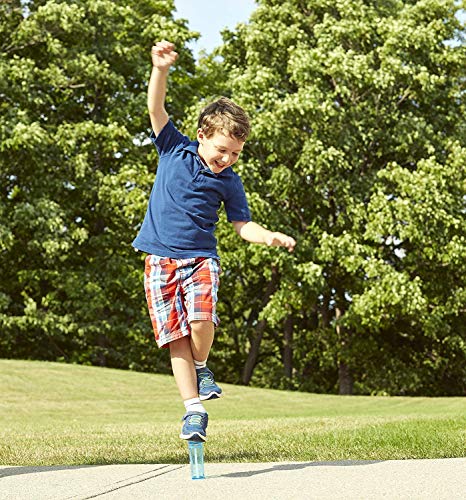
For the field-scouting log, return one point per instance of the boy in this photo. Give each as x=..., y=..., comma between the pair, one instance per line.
x=182, y=267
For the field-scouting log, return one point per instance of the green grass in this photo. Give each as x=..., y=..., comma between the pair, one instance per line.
x=57, y=414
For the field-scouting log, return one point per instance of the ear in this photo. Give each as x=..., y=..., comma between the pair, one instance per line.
x=200, y=135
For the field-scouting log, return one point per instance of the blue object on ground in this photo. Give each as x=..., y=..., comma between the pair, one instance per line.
x=196, y=459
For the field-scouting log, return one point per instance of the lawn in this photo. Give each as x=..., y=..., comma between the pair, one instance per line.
x=58, y=414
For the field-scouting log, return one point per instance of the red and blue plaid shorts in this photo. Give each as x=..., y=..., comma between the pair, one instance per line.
x=179, y=291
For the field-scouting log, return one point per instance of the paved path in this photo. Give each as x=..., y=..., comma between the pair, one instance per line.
x=362, y=480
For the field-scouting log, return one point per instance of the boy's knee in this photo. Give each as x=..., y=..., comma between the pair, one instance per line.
x=201, y=326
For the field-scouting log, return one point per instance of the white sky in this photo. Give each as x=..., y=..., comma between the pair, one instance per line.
x=209, y=17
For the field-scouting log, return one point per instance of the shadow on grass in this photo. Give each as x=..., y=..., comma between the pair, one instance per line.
x=298, y=466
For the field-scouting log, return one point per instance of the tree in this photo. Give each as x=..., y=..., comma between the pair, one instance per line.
x=358, y=149
x=76, y=170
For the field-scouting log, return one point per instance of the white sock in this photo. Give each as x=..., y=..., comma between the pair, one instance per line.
x=200, y=364
x=194, y=404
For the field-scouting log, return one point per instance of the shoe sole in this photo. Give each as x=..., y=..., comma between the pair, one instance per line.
x=194, y=436
x=211, y=395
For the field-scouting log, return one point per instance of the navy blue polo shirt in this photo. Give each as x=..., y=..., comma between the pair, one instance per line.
x=185, y=198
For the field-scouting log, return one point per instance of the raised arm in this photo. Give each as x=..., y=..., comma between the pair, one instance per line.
x=255, y=233
x=163, y=56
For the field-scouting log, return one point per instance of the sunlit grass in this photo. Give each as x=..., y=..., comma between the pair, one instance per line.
x=56, y=414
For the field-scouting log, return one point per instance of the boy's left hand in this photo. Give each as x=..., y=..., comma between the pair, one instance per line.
x=281, y=240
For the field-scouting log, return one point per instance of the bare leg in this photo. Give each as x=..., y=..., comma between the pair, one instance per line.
x=195, y=419
x=183, y=368
x=183, y=352
x=202, y=337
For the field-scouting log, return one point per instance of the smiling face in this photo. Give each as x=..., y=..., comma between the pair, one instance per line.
x=219, y=151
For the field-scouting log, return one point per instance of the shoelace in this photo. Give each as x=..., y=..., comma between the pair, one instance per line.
x=195, y=419
x=206, y=379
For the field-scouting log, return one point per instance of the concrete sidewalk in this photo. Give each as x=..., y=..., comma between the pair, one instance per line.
x=394, y=479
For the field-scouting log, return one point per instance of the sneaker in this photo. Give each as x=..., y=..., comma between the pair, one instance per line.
x=206, y=385
x=194, y=426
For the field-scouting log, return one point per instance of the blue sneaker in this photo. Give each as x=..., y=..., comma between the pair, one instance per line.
x=206, y=385
x=194, y=426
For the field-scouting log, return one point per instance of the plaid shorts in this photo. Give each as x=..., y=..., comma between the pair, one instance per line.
x=179, y=291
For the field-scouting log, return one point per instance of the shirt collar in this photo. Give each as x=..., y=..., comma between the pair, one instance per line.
x=192, y=147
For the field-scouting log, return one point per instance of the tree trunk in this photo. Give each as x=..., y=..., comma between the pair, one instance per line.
x=253, y=353
x=288, y=347
x=345, y=378
x=325, y=311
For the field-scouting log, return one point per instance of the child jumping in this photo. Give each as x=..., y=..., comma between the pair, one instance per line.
x=182, y=266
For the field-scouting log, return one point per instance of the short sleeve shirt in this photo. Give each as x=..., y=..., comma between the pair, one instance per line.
x=185, y=199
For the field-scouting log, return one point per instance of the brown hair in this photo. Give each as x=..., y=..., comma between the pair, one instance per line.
x=224, y=116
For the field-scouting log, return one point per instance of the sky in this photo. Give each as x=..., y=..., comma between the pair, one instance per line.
x=209, y=17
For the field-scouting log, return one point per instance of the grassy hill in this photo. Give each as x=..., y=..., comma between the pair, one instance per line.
x=58, y=414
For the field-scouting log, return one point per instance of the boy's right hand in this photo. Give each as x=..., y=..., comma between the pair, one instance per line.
x=163, y=55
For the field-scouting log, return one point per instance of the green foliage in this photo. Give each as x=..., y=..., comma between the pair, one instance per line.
x=358, y=150
x=75, y=171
